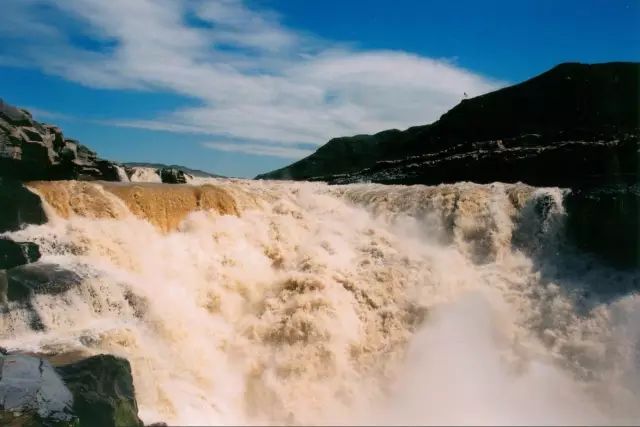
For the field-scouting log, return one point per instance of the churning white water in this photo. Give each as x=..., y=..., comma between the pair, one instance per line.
x=363, y=304
x=122, y=174
x=143, y=174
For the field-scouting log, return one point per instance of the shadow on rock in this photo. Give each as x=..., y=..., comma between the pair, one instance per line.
x=96, y=392
x=39, y=278
x=588, y=247
x=20, y=206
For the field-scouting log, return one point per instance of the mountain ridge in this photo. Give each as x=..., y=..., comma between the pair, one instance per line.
x=504, y=129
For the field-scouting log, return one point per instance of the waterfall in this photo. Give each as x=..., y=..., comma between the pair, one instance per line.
x=258, y=302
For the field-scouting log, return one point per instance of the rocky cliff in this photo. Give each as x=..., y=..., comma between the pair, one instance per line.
x=31, y=150
x=571, y=125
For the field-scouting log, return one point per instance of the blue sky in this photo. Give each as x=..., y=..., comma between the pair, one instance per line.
x=242, y=87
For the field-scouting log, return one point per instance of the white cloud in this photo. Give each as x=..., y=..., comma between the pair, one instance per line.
x=253, y=78
x=42, y=114
x=285, y=152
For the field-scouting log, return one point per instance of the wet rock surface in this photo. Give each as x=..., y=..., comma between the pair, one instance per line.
x=94, y=392
x=39, y=278
x=172, y=176
x=13, y=254
x=18, y=206
x=103, y=392
x=33, y=394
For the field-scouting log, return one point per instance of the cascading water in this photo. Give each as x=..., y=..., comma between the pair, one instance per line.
x=122, y=174
x=142, y=174
x=244, y=302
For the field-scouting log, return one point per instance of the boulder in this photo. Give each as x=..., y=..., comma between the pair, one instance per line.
x=13, y=254
x=103, y=392
x=172, y=176
x=19, y=206
x=39, y=278
x=33, y=394
x=96, y=392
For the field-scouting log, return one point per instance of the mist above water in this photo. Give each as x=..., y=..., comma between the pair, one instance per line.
x=310, y=304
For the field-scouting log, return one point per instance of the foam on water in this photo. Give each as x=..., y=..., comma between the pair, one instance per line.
x=143, y=174
x=312, y=304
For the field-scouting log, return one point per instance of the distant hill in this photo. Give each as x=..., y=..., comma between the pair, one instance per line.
x=192, y=172
x=572, y=123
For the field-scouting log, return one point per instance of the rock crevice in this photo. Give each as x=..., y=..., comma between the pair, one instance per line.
x=31, y=150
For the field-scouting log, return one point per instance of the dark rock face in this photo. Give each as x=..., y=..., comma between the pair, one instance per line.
x=172, y=176
x=30, y=150
x=605, y=221
x=547, y=163
x=13, y=254
x=97, y=391
x=33, y=394
x=103, y=392
x=576, y=123
x=18, y=206
x=39, y=278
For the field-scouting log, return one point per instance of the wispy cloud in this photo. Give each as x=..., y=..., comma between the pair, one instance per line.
x=285, y=152
x=43, y=115
x=252, y=78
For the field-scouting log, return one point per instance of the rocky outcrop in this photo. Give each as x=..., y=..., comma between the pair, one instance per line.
x=172, y=176
x=576, y=123
x=103, y=392
x=96, y=392
x=33, y=394
x=13, y=254
x=31, y=150
x=39, y=278
x=19, y=285
x=533, y=159
x=18, y=206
